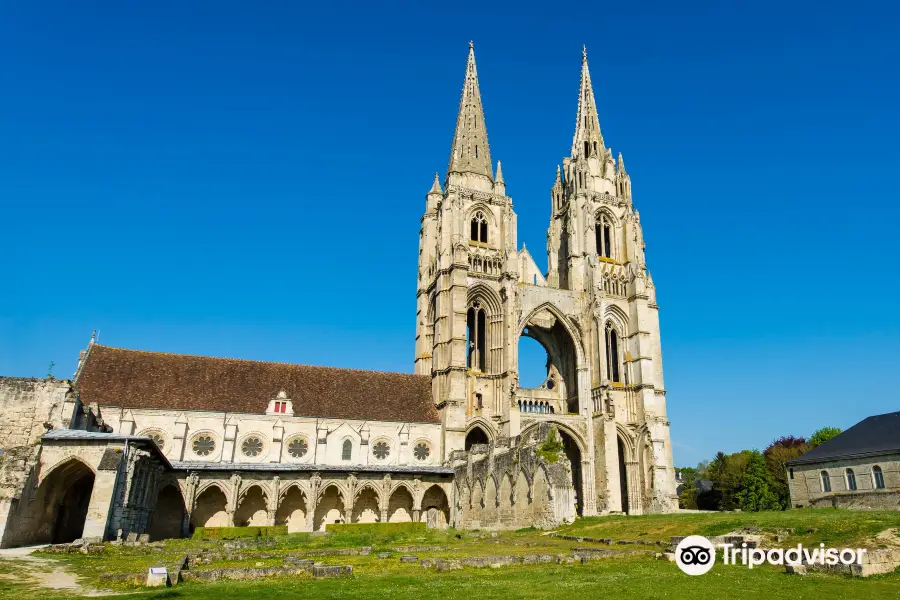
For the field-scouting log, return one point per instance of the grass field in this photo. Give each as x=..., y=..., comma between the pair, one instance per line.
x=634, y=575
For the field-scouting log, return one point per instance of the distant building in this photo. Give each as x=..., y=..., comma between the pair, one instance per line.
x=859, y=468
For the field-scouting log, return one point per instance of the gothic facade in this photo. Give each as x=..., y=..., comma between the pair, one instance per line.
x=157, y=444
x=594, y=311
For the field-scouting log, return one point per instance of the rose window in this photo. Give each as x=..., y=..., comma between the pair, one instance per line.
x=381, y=450
x=421, y=451
x=252, y=446
x=203, y=445
x=298, y=448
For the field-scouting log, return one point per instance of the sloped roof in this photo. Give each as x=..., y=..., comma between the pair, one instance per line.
x=879, y=434
x=139, y=379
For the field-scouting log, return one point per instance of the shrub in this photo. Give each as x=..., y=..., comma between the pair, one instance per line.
x=552, y=446
x=376, y=527
x=230, y=533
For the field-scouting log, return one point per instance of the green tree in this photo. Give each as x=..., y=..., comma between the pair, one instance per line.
x=823, y=435
x=726, y=471
x=780, y=451
x=754, y=492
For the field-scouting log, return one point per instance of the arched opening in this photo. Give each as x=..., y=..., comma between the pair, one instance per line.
x=65, y=495
x=603, y=233
x=330, y=508
x=253, y=510
x=435, y=508
x=168, y=514
x=573, y=453
x=533, y=362
x=367, y=508
x=826, y=482
x=613, y=358
x=347, y=450
x=558, y=390
x=210, y=509
x=400, y=507
x=292, y=510
x=476, y=336
x=851, y=479
x=476, y=436
x=623, y=476
x=479, y=228
x=878, y=476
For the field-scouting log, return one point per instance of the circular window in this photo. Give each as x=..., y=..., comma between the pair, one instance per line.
x=203, y=445
x=381, y=450
x=252, y=446
x=157, y=438
x=298, y=448
x=421, y=451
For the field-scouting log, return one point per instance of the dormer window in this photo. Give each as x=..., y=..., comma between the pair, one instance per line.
x=479, y=228
x=280, y=405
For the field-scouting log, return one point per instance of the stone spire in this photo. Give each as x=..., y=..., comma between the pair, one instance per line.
x=620, y=164
x=436, y=186
x=470, y=152
x=588, y=140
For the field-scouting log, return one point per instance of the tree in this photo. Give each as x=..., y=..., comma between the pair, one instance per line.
x=780, y=451
x=823, y=435
x=726, y=472
x=755, y=493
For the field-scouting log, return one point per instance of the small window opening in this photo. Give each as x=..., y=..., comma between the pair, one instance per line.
x=791, y=472
x=879, y=478
x=851, y=479
x=826, y=482
x=587, y=148
x=347, y=451
x=476, y=151
x=479, y=401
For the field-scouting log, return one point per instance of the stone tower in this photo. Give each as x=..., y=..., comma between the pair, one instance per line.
x=594, y=312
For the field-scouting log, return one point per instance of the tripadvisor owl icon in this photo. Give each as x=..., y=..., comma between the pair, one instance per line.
x=695, y=555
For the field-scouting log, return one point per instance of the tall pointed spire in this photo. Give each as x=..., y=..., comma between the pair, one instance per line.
x=588, y=140
x=470, y=152
x=436, y=186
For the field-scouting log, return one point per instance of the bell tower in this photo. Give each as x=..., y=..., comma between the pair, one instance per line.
x=467, y=277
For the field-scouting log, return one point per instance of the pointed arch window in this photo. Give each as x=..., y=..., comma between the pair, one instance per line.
x=826, y=482
x=476, y=337
x=347, y=450
x=613, y=366
x=878, y=476
x=479, y=228
x=603, y=232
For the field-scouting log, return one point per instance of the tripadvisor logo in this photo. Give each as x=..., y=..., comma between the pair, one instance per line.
x=695, y=555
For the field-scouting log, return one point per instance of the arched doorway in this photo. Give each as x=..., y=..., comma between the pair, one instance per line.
x=66, y=494
x=253, y=508
x=210, y=509
x=476, y=436
x=168, y=514
x=400, y=506
x=330, y=508
x=573, y=453
x=623, y=476
x=292, y=510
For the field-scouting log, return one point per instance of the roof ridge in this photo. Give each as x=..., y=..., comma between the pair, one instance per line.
x=251, y=360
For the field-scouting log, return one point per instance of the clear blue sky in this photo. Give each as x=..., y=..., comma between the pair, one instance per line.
x=246, y=179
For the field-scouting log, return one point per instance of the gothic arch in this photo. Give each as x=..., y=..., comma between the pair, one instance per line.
x=61, y=463
x=249, y=485
x=287, y=486
x=615, y=315
x=370, y=485
x=563, y=427
x=488, y=298
x=485, y=209
x=205, y=485
x=482, y=424
x=564, y=321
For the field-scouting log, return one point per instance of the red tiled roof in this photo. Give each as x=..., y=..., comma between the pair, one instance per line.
x=138, y=379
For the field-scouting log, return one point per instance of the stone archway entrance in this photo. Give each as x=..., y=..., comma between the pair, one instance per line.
x=168, y=514
x=435, y=508
x=623, y=476
x=66, y=495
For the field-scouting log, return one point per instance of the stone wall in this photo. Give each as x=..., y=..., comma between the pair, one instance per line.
x=509, y=484
x=29, y=407
x=806, y=486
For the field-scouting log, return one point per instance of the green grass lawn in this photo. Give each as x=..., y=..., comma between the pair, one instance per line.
x=632, y=576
